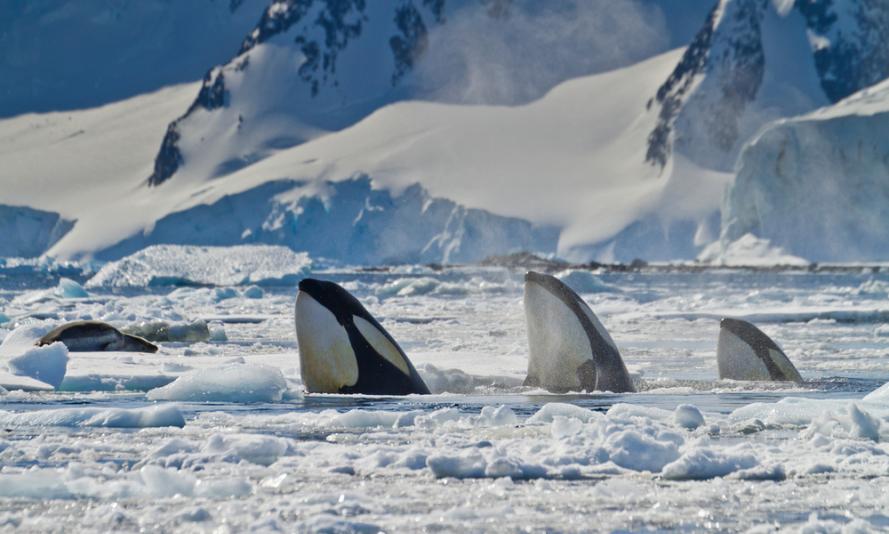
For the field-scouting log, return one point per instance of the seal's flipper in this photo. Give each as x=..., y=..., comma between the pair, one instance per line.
x=744, y=352
x=569, y=348
x=343, y=349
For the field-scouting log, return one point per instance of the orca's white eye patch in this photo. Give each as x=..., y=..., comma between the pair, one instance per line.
x=785, y=365
x=381, y=344
x=327, y=359
x=600, y=328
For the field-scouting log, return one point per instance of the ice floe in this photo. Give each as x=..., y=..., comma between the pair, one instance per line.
x=230, y=383
x=182, y=265
x=152, y=416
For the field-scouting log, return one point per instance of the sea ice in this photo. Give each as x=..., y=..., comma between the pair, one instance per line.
x=880, y=394
x=181, y=265
x=253, y=292
x=704, y=463
x=69, y=289
x=230, y=383
x=152, y=416
x=47, y=364
x=261, y=450
x=23, y=338
x=688, y=416
x=551, y=410
x=583, y=281
x=164, y=331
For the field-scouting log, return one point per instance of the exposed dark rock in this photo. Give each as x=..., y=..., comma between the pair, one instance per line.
x=213, y=94
x=327, y=28
x=852, y=60
x=732, y=51
x=410, y=43
x=168, y=159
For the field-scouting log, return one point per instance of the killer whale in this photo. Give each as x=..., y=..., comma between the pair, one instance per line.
x=744, y=352
x=569, y=348
x=343, y=349
x=94, y=336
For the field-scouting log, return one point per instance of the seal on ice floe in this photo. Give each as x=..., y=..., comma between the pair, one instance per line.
x=569, y=348
x=95, y=336
x=744, y=352
x=343, y=349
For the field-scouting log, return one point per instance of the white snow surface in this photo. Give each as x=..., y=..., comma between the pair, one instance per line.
x=243, y=447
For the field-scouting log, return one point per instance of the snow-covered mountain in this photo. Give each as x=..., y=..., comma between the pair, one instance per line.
x=755, y=61
x=99, y=207
x=338, y=125
x=61, y=55
x=311, y=67
x=480, y=157
x=818, y=185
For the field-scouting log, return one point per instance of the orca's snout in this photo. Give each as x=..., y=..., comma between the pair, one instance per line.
x=537, y=278
x=310, y=285
x=548, y=282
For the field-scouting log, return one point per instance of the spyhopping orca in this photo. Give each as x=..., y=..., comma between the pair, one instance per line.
x=343, y=349
x=89, y=336
x=570, y=350
x=744, y=352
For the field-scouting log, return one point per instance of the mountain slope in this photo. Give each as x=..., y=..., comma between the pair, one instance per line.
x=541, y=162
x=311, y=67
x=574, y=158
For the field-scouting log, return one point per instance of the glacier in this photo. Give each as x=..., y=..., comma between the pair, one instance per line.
x=818, y=185
x=348, y=221
x=27, y=233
